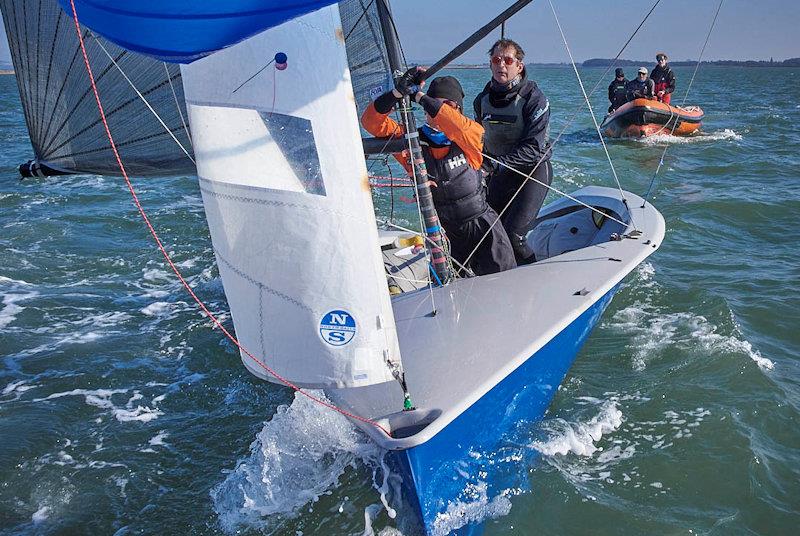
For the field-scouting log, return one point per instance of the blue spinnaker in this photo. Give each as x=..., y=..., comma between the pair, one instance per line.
x=182, y=31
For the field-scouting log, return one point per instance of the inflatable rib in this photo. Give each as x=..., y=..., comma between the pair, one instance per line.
x=643, y=117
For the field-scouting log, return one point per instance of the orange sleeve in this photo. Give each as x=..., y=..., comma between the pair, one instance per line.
x=383, y=126
x=380, y=125
x=463, y=131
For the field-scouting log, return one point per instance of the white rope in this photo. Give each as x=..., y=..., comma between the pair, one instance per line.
x=416, y=233
x=556, y=190
x=144, y=100
x=401, y=278
x=178, y=105
x=591, y=111
x=683, y=103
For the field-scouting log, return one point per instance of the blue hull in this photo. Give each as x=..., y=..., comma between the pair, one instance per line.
x=436, y=473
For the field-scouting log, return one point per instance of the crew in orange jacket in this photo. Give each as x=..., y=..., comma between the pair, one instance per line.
x=452, y=146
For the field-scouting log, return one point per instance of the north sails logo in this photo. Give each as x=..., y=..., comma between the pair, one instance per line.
x=456, y=161
x=337, y=327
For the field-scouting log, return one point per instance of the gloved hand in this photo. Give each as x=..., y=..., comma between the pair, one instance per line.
x=411, y=81
x=488, y=167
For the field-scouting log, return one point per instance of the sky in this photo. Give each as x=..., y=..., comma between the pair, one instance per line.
x=746, y=29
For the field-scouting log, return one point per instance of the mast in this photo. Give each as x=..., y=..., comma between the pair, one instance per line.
x=432, y=226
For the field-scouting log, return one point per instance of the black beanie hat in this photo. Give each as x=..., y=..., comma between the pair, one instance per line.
x=620, y=72
x=447, y=87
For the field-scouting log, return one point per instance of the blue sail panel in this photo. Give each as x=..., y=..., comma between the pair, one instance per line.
x=182, y=31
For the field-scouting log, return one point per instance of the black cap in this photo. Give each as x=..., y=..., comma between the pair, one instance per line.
x=447, y=87
x=620, y=72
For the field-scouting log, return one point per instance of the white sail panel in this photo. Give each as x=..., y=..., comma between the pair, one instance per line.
x=289, y=208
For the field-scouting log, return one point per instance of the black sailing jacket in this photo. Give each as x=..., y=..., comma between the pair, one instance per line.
x=532, y=146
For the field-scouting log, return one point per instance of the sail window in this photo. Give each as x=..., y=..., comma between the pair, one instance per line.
x=294, y=140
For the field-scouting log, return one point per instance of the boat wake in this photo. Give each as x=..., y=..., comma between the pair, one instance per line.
x=13, y=292
x=579, y=438
x=475, y=507
x=599, y=452
x=304, y=452
x=298, y=457
x=652, y=331
x=700, y=137
x=132, y=410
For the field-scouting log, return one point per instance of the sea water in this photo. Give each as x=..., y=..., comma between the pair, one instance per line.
x=123, y=412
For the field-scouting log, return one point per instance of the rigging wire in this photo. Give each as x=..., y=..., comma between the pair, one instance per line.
x=529, y=176
x=556, y=190
x=613, y=63
x=175, y=269
x=178, y=106
x=391, y=187
x=683, y=103
x=144, y=100
x=270, y=62
x=591, y=111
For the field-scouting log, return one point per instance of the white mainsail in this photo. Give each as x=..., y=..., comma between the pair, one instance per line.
x=288, y=204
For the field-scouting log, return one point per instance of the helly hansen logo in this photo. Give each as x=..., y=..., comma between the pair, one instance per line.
x=456, y=161
x=540, y=112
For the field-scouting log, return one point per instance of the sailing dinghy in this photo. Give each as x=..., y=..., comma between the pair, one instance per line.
x=286, y=194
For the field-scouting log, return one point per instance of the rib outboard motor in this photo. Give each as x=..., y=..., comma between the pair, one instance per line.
x=34, y=168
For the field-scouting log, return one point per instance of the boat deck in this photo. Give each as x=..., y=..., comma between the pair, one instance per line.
x=485, y=327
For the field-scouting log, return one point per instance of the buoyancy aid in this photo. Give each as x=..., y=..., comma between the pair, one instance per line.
x=459, y=194
x=504, y=126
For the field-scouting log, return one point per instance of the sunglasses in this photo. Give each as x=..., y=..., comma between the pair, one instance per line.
x=508, y=60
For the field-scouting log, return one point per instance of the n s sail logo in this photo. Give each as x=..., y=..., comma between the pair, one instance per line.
x=337, y=328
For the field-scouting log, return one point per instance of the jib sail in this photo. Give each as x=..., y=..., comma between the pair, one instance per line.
x=288, y=203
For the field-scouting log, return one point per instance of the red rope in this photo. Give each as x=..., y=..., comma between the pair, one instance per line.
x=197, y=300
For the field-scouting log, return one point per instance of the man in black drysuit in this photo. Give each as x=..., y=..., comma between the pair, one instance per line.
x=515, y=115
x=617, y=94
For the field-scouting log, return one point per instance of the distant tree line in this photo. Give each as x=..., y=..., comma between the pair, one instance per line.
x=605, y=62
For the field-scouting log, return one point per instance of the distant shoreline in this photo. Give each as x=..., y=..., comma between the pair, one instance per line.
x=603, y=62
x=6, y=71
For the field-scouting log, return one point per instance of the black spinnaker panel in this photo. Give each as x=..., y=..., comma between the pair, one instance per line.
x=61, y=114
x=60, y=110
x=366, y=51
